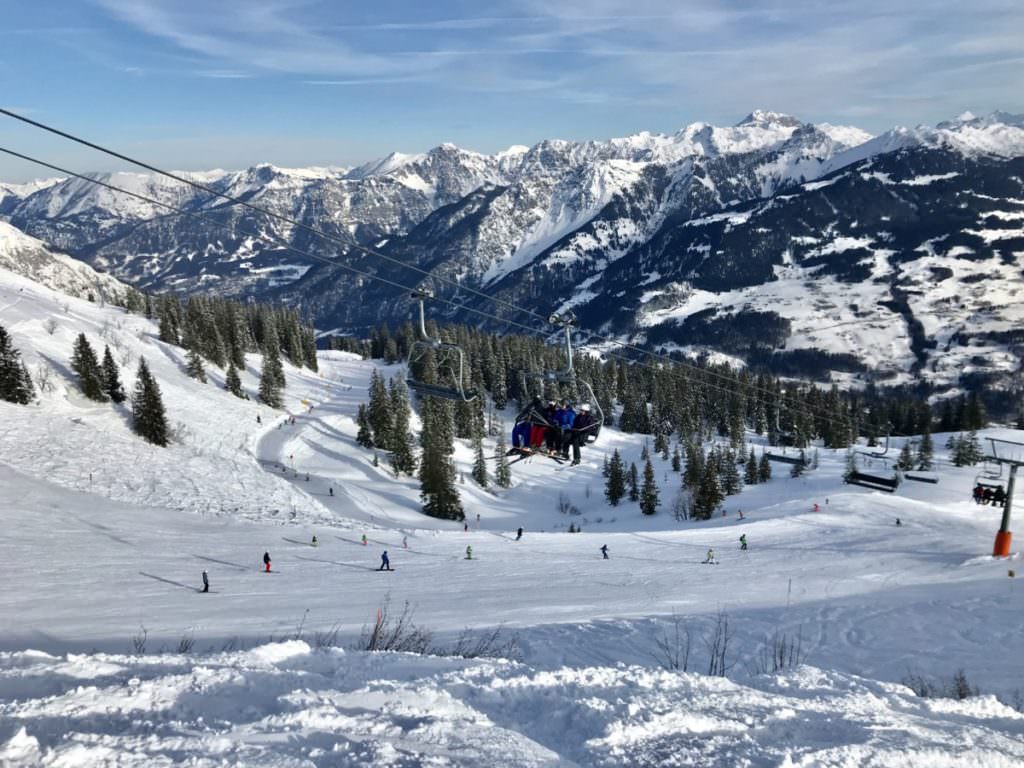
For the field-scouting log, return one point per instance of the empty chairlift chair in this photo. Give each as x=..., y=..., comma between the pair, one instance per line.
x=449, y=356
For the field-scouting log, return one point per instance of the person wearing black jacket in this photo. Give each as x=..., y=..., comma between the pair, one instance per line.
x=580, y=430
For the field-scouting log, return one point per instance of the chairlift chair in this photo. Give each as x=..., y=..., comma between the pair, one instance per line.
x=425, y=343
x=534, y=416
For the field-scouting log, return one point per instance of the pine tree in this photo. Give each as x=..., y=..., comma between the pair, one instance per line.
x=112, y=378
x=633, y=481
x=271, y=375
x=906, y=458
x=90, y=375
x=730, y=474
x=649, y=493
x=764, y=469
x=677, y=459
x=148, y=415
x=925, y=452
x=709, y=492
x=851, y=464
x=194, y=366
x=797, y=470
x=232, y=382
x=645, y=453
x=694, y=466
x=479, y=462
x=503, y=472
x=438, y=492
x=24, y=391
x=615, y=487
x=403, y=459
x=750, y=474
x=15, y=382
x=364, y=436
x=379, y=411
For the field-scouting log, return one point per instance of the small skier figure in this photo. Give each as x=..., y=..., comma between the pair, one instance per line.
x=604, y=551
x=206, y=582
x=816, y=507
x=711, y=556
x=741, y=514
x=307, y=477
x=519, y=534
x=315, y=542
x=364, y=539
x=465, y=527
x=266, y=561
x=258, y=419
x=477, y=519
x=469, y=553
x=743, y=542
x=405, y=542
x=330, y=491
x=898, y=523
x=385, y=564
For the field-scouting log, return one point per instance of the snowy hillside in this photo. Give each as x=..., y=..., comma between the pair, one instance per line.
x=31, y=258
x=106, y=538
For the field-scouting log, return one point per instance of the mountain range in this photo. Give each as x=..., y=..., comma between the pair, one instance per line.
x=812, y=249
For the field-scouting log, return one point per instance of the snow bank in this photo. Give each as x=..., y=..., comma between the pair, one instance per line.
x=262, y=707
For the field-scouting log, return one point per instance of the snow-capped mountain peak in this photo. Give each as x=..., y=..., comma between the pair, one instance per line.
x=766, y=118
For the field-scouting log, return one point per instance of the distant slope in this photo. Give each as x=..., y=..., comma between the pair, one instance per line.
x=26, y=256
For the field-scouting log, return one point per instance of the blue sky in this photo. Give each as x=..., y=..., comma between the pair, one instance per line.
x=229, y=83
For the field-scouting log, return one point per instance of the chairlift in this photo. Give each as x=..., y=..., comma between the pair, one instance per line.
x=426, y=343
x=876, y=482
x=533, y=426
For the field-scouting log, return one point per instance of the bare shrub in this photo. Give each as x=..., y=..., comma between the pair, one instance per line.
x=139, y=640
x=187, y=642
x=779, y=653
x=50, y=326
x=327, y=638
x=489, y=644
x=391, y=632
x=44, y=378
x=717, y=643
x=565, y=506
x=956, y=687
x=672, y=645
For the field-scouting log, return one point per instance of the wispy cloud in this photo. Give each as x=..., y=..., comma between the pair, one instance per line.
x=720, y=56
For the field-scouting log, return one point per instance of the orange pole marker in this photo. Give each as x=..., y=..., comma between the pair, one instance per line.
x=1002, y=547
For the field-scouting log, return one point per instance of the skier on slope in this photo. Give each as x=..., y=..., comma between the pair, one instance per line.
x=604, y=551
x=469, y=553
x=315, y=542
x=519, y=534
x=385, y=563
x=206, y=582
x=364, y=539
x=405, y=542
x=743, y=541
x=266, y=561
x=711, y=556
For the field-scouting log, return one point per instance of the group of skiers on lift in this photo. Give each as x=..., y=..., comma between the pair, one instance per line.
x=554, y=428
x=984, y=494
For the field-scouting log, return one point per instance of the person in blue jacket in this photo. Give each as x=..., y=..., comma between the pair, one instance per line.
x=566, y=418
x=385, y=563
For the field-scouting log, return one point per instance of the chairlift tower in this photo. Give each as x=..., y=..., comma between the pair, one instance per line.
x=1009, y=454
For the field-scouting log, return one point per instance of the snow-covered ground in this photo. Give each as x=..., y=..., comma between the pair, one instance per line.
x=105, y=539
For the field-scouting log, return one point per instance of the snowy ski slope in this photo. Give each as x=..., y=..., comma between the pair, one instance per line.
x=89, y=562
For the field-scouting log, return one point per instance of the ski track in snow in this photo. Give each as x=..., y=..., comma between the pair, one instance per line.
x=93, y=563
